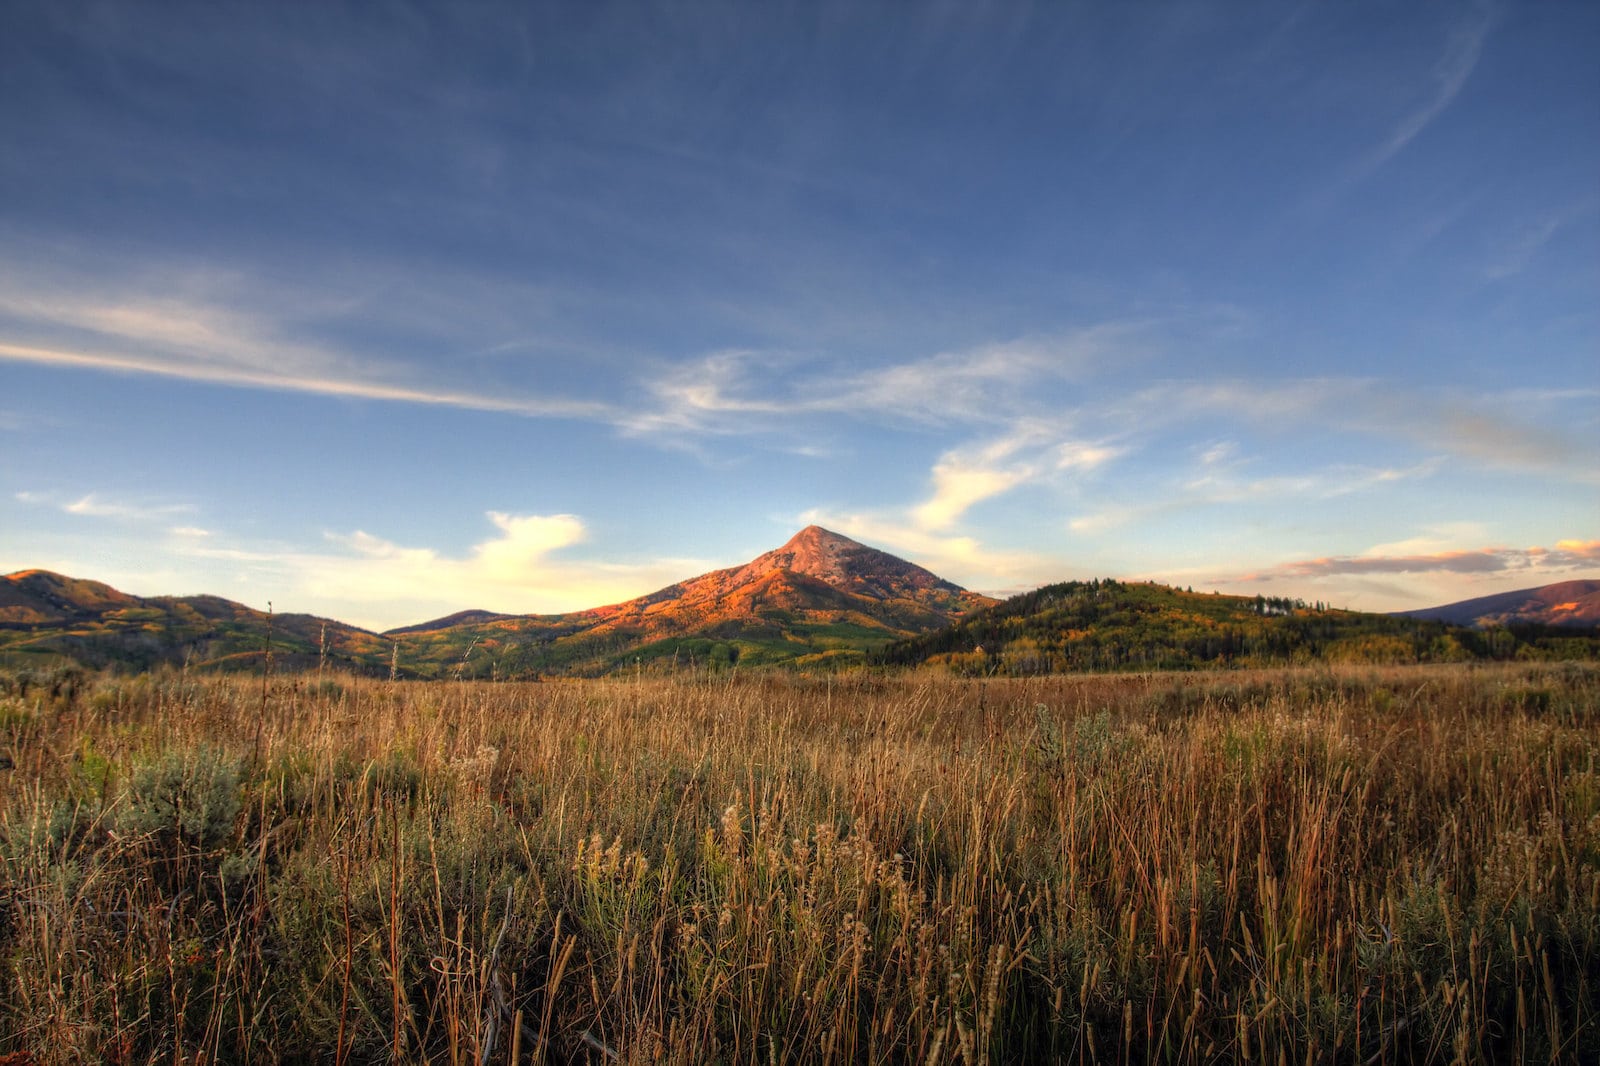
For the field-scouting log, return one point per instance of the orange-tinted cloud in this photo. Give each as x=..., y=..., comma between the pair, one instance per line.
x=1566, y=555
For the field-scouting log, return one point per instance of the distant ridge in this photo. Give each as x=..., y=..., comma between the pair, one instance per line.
x=45, y=616
x=1565, y=603
x=821, y=600
x=1111, y=625
x=460, y=618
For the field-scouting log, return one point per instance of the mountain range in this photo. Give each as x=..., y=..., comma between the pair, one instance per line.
x=821, y=600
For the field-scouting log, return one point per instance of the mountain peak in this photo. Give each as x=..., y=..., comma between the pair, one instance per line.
x=845, y=564
x=815, y=551
x=819, y=595
x=814, y=534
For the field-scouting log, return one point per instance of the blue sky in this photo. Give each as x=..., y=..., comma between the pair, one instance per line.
x=382, y=311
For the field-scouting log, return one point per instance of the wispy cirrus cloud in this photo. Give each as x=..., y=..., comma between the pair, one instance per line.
x=991, y=383
x=735, y=391
x=207, y=332
x=743, y=391
x=1462, y=48
x=1515, y=429
x=1077, y=378
x=1222, y=479
x=264, y=378
x=1518, y=251
x=1225, y=486
x=1423, y=100
x=1566, y=555
x=719, y=393
x=97, y=505
x=1002, y=390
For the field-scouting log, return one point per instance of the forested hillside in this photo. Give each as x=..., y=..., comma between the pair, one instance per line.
x=1111, y=625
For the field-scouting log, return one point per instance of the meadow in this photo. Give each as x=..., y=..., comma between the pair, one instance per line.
x=1318, y=865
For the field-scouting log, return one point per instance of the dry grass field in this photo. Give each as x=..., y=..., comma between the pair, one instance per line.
x=1297, y=866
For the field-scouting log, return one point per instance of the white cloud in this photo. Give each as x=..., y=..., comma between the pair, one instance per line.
x=967, y=476
x=957, y=486
x=1567, y=555
x=1448, y=536
x=990, y=383
x=1333, y=481
x=1032, y=451
x=710, y=396
x=1085, y=456
x=525, y=541
x=243, y=375
x=1103, y=520
x=95, y=505
x=1218, y=482
x=743, y=391
x=1394, y=578
x=376, y=582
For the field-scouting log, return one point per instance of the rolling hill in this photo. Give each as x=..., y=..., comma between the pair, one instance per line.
x=1565, y=603
x=46, y=617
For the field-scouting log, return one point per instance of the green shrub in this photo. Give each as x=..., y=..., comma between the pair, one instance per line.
x=189, y=800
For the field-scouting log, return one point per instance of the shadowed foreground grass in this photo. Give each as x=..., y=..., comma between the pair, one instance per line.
x=1290, y=866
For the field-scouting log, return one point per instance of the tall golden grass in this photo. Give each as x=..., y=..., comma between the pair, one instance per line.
x=1310, y=866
